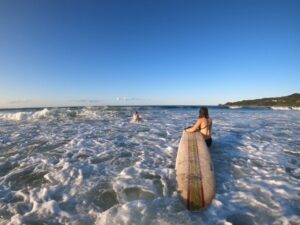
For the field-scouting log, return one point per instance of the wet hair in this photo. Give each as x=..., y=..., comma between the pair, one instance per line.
x=203, y=112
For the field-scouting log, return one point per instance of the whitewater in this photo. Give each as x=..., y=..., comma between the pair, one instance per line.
x=92, y=165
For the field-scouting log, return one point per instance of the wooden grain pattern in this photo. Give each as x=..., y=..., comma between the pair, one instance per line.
x=194, y=172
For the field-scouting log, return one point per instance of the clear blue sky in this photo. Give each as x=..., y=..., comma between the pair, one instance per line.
x=58, y=52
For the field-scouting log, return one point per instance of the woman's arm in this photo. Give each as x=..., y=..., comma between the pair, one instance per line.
x=195, y=127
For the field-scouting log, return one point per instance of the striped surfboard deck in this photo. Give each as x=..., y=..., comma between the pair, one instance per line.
x=194, y=172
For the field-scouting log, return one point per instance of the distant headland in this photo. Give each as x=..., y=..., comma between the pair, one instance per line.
x=285, y=101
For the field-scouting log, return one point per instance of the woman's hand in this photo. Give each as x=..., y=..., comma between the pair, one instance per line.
x=187, y=129
x=193, y=128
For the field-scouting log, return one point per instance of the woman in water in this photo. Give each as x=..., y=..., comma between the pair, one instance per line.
x=136, y=117
x=204, y=125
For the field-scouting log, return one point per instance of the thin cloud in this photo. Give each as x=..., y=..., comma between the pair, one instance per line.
x=19, y=102
x=87, y=101
x=126, y=99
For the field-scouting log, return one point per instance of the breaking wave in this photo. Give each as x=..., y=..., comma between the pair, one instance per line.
x=91, y=165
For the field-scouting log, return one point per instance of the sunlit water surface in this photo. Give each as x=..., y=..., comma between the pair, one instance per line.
x=91, y=165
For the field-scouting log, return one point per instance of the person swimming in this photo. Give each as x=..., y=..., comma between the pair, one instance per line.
x=136, y=117
x=204, y=125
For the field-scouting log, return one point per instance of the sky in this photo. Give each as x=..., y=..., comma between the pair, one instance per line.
x=155, y=52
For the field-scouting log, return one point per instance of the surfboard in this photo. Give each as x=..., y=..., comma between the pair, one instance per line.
x=194, y=172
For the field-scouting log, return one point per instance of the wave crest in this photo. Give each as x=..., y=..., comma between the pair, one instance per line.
x=57, y=113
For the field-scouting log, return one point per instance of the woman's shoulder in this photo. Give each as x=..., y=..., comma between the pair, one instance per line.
x=206, y=120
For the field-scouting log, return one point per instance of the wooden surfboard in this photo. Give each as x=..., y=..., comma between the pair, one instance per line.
x=194, y=172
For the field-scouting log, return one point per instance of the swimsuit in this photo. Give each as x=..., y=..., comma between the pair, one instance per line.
x=208, y=140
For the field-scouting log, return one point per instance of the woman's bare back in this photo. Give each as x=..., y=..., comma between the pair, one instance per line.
x=205, y=127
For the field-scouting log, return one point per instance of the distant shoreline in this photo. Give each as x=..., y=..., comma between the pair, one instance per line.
x=263, y=107
x=285, y=102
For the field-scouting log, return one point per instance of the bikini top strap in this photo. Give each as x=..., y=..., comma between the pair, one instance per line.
x=207, y=126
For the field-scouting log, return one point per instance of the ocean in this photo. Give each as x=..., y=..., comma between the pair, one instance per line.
x=92, y=165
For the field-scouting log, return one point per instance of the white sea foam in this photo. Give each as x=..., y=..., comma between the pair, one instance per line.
x=91, y=165
x=15, y=116
x=235, y=107
x=280, y=108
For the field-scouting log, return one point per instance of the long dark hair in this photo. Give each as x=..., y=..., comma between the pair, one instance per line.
x=203, y=112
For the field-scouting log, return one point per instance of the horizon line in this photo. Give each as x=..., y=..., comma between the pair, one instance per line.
x=79, y=106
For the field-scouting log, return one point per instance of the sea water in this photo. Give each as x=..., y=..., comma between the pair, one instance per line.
x=92, y=165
